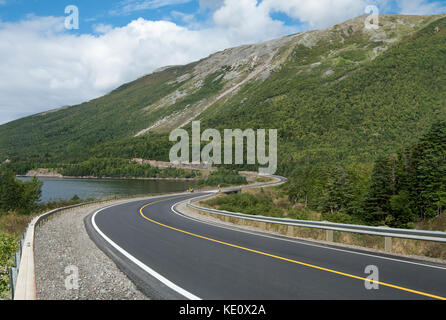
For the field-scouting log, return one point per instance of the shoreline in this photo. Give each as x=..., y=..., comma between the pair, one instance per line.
x=106, y=178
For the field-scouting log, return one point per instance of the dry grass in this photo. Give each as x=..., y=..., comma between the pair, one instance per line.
x=14, y=224
x=263, y=179
x=419, y=248
x=435, y=224
x=361, y=240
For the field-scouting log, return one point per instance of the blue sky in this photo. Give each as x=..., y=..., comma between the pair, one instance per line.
x=98, y=11
x=45, y=66
x=119, y=13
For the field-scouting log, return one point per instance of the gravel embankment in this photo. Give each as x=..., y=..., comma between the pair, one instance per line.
x=62, y=242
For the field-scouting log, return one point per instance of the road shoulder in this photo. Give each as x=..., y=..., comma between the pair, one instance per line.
x=64, y=248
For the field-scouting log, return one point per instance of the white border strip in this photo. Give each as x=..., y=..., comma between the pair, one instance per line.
x=140, y=264
x=26, y=279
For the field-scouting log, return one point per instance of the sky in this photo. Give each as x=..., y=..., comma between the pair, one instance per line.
x=47, y=60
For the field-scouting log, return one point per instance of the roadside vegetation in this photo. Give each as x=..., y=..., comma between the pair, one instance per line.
x=19, y=204
x=399, y=190
x=270, y=202
x=8, y=246
x=223, y=177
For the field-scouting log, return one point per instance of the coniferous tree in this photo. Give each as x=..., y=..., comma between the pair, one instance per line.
x=377, y=202
x=10, y=191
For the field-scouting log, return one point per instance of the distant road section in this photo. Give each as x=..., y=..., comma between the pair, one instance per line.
x=170, y=256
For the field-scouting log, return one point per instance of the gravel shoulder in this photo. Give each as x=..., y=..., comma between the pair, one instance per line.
x=63, y=243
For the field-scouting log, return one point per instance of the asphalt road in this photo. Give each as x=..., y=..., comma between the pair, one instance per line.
x=184, y=258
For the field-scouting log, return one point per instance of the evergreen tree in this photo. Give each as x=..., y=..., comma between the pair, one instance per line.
x=10, y=191
x=377, y=202
x=32, y=191
x=339, y=193
x=430, y=160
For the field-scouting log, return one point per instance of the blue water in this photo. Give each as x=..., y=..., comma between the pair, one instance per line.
x=54, y=189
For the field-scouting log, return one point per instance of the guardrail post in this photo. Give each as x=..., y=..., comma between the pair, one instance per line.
x=21, y=246
x=290, y=231
x=388, y=244
x=329, y=235
x=12, y=280
x=17, y=256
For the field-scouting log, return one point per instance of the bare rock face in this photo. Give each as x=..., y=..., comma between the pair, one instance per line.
x=235, y=66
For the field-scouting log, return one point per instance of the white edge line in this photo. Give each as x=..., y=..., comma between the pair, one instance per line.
x=146, y=268
x=299, y=242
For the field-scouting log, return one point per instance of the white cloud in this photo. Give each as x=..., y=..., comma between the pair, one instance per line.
x=189, y=19
x=102, y=28
x=44, y=67
x=245, y=19
x=318, y=13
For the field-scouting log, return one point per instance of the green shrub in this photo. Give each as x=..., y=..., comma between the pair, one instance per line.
x=16, y=195
x=224, y=177
x=8, y=246
x=247, y=203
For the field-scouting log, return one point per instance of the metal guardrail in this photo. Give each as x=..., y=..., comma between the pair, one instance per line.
x=26, y=250
x=386, y=232
x=436, y=236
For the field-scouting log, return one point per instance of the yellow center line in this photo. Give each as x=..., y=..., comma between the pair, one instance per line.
x=282, y=258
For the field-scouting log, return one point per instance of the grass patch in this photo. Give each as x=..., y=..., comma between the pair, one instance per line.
x=266, y=202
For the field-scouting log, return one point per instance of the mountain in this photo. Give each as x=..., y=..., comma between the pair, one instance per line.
x=341, y=95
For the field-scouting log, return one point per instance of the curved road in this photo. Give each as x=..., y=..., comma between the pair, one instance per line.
x=172, y=256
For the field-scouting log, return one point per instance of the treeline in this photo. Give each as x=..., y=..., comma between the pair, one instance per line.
x=411, y=184
x=397, y=190
x=224, y=177
x=16, y=195
x=121, y=168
